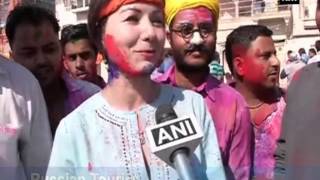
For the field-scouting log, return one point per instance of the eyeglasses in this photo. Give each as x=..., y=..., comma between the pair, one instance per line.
x=83, y=55
x=186, y=31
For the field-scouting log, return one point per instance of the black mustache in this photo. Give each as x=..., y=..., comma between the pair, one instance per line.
x=196, y=47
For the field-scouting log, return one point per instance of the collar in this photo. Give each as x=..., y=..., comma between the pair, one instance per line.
x=207, y=88
x=212, y=85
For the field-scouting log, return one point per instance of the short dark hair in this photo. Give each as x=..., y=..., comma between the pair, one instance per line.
x=243, y=36
x=95, y=22
x=301, y=51
x=71, y=33
x=31, y=14
x=312, y=50
x=317, y=45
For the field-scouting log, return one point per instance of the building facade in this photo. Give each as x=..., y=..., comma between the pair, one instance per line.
x=293, y=26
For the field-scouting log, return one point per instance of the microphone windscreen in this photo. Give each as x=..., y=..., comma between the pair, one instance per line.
x=164, y=113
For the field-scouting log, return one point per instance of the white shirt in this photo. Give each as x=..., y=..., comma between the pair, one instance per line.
x=314, y=59
x=25, y=139
x=293, y=67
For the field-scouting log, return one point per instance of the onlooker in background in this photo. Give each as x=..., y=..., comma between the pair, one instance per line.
x=251, y=56
x=80, y=54
x=303, y=55
x=299, y=146
x=317, y=46
x=293, y=65
x=291, y=56
x=33, y=37
x=216, y=69
x=24, y=125
x=316, y=58
x=312, y=52
x=192, y=36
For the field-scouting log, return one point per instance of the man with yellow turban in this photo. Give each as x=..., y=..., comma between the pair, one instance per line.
x=192, y=36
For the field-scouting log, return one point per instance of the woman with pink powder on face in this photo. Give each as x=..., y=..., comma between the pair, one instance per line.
x=105, y=135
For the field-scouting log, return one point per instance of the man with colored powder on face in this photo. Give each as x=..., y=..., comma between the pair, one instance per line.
x=80, y=54
x=297, y=155
x=33, y=37
x=192, y=36
x=251, y=56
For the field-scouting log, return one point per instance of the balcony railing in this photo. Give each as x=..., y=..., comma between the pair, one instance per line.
x=230, y=9
x=235, y=8
x=79, y=4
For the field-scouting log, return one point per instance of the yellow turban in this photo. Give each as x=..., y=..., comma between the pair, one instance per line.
x=172, y=7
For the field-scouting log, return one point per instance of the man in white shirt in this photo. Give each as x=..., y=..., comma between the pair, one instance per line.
x=316, y=58
x=293, y=65
x=25, y=139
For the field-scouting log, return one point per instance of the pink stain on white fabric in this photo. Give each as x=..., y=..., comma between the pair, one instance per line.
x=89, y=166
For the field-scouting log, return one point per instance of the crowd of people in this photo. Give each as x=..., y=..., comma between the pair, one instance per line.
x=59, y=118
x=297, y=60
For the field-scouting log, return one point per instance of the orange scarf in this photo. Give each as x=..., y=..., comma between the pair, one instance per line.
x=114, y=5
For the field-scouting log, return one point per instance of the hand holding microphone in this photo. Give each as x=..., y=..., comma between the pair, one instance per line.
x=174, y=139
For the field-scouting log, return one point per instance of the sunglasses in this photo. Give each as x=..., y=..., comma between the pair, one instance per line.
x=83, y=55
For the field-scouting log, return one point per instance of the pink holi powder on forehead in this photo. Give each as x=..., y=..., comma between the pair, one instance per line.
x=200, y=14
x=119, y=57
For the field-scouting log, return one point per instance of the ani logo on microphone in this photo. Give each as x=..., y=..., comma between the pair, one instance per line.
x=175, y=131
x=166, y=137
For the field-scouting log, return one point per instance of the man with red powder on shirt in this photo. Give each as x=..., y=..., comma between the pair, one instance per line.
x=192, y=36
x=251, y=56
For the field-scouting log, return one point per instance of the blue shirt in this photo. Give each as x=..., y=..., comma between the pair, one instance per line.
x=98, y=140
